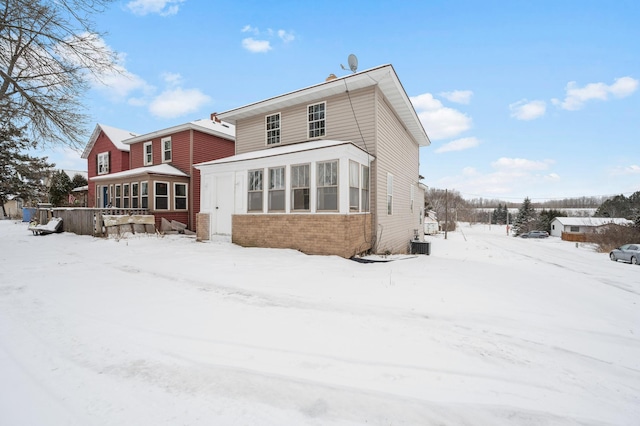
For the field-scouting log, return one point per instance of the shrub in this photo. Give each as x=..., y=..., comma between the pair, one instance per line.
x=614, y=236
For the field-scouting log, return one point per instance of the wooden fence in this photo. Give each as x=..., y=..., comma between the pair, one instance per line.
x=84, y=221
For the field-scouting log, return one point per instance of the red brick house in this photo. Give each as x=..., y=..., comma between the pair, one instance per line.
x=105, y=154
x=160, y=176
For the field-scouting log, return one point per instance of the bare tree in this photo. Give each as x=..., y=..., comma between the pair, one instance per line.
x=49, y=49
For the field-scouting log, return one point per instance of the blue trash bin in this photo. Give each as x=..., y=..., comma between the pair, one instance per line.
x=28, y=213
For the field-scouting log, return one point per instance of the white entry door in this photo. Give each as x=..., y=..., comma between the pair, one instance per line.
x=222, y=204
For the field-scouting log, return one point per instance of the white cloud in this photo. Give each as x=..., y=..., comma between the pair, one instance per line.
x=172, y=79
x=459, y=145
x=286, y=36
x=634, y=169
x=160, y=7
x=256, y=46
x=576, y=96
x=439, y=121
x=520, y=164
x=527, y=110
x=176, y=102
x=458, y=96
x=262, y=40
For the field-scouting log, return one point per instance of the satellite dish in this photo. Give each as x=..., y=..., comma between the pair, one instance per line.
x=353, y=63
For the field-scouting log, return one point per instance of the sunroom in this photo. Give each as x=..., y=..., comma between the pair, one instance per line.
x=313, y=196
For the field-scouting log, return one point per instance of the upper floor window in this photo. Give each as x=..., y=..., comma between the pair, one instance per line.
x=166, y=150
x=276, y=188
x=148, y=153
x=327, y=182
x=273, y=129
x=300, y=187
x=255, y=191
x=103, y=163
x=316, y=120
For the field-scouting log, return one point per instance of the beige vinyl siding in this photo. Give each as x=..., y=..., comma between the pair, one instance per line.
x=339, y=122
x=398, y=154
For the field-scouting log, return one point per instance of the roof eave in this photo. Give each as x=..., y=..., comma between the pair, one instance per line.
x=176, y=129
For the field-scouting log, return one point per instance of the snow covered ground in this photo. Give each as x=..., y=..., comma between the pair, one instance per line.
x=487, y=330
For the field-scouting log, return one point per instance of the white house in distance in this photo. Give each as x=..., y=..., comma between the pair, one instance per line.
x=583, y=225
x=329, y=169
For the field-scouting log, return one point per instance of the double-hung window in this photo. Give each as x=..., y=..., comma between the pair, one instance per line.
x=148, y=153
x=327, y=184
x=255, y=191
x=273, y=129
x=354, y=186
x=300, y=187
x=364, y=189
x=144, y=195
x=134, y=195
x=161, y=195
x=166, y=150
x=276, y=189
x=118, y=195
x=103, y=163
x=126, y=196
x=316, y=120
x=180, y=196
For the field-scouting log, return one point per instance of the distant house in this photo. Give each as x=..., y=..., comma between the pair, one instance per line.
x=572, y=228
x=328, y=169
x=159, y=175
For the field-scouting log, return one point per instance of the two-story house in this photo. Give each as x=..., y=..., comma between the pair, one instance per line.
x=105, y=154
x=160, y=176
x=329, y=169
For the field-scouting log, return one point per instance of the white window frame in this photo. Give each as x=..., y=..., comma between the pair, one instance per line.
x=135, y=195
x=389, y=194
x=156, y=196
x=255, y=187
x=147, y=153
x=364, y=188
x=103, y=163
x=177, y=197
x=144, y=194
x=354, y=186
x=301, y=186
x=316, y=125
x=126, y=196
x=165, y=143
x=118, y=197
x=273, y=129
x=277, y=183
x=326, y=181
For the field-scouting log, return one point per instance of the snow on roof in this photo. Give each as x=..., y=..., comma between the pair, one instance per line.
x=383, y=76
x=115, y=135
x=160, y=169
x=592, y=221
x=205, y=125
x=280, y=150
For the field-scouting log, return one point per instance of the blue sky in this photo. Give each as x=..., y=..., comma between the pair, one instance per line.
x=520, y=99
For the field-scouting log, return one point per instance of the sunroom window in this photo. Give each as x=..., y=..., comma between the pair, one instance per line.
x=255, y=191
x=276, y=189
x=327, y=184
x=300, y=187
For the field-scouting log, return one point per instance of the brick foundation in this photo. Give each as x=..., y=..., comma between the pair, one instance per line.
x=324, y=234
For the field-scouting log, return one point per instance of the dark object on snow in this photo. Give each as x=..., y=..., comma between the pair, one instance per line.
x=53, y=226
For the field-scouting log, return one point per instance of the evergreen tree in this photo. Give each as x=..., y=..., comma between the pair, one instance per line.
x=60, y=188
x=620, y=206
x=78, y=181
x=546, y=217
x=21, y=175
x=526, y=219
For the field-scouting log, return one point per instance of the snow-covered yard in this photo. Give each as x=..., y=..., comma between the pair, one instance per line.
x=487, y=330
